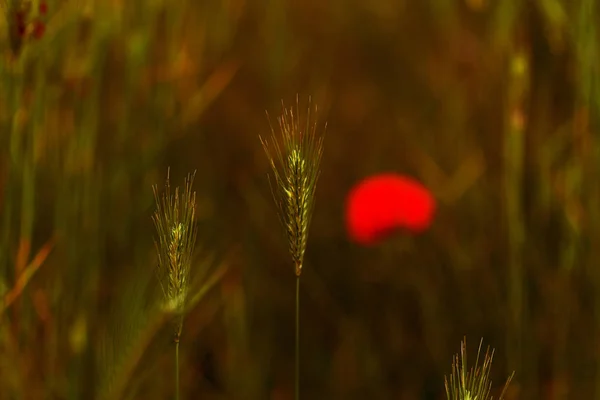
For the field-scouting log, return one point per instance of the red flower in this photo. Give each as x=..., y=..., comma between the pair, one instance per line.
x=385, y=203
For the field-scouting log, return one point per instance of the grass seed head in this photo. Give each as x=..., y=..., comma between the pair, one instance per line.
x=176, y=229
x=473, y=383
x=295, y=157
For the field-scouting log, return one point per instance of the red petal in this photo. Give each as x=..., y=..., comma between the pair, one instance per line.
x=382, y=204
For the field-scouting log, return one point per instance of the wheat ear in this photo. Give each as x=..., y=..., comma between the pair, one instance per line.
x=295, y=158
x=174, y=220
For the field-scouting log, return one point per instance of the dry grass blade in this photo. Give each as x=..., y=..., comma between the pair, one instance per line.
x=295, y=158
x=26, y=275
x=174, y=220
x=473, y=383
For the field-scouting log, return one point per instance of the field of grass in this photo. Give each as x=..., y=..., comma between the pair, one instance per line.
x=493, y=104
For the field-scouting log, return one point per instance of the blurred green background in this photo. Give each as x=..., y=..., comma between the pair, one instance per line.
x=494, y=105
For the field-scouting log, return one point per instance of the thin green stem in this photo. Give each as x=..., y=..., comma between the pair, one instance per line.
x=177, y=369
x=177, y=337
x=297, y=376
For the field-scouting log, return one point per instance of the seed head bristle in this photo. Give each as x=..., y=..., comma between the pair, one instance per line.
x=473, y=383
x=174, y=220
x=295, y=158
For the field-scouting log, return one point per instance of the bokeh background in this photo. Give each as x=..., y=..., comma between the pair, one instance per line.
x=494, y=105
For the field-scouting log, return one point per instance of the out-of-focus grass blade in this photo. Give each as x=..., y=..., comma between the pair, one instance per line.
x=131, y=327
x=213, y=86
x=26, y=275
x=207, y=285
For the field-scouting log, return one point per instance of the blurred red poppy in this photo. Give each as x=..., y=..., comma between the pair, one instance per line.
x=383, y=204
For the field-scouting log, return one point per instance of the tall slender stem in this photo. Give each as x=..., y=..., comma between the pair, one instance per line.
x=514, y=154
x=177, y=339
x=177, y=368
x=297, y=373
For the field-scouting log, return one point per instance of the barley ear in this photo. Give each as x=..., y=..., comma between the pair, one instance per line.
x=473, y=383
x=295, y=158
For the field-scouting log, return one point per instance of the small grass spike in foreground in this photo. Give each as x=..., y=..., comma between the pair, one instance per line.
x=473, y=383
x=174, y=220
x=295, y=164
